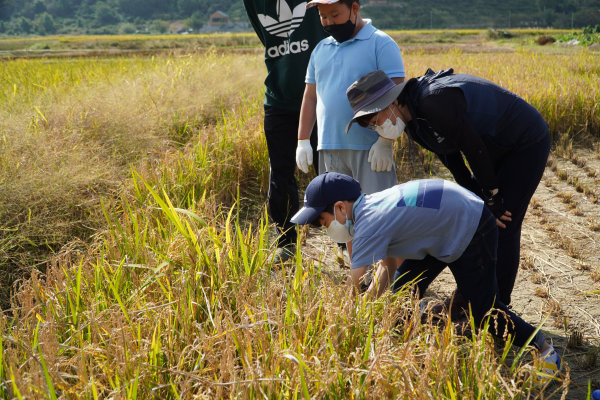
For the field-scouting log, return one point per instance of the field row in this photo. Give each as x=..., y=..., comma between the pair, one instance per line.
x=87, y=38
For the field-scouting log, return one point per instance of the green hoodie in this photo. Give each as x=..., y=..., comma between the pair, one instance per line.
x=289, y=33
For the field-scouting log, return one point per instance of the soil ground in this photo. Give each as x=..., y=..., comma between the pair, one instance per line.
x=560, y=262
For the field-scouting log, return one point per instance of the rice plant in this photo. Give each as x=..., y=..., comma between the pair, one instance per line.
x=122, y=38
x=569, y=98
x=71, y=129
x=183, y=303
x=166, y=289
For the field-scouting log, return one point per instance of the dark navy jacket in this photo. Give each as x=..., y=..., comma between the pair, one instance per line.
x=463, y=113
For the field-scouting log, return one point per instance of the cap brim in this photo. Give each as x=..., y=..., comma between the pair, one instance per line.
x=317, y=2
x=307, y=215
x=380, y=104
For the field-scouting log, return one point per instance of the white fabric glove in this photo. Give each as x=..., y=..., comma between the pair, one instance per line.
x=381, y=155
x=304, y=155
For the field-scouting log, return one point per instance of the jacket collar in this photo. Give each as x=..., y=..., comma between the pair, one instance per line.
x=354, y=206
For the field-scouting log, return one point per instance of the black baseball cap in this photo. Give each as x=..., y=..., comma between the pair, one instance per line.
x=324, y=190
x=372, y=93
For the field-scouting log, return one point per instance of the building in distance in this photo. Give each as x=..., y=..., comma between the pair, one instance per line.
x=218, y=18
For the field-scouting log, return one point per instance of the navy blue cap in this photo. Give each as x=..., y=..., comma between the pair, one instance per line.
x=324, y=190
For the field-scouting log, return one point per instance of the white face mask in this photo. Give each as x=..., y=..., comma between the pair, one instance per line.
x=340, y=233
x=389, y=130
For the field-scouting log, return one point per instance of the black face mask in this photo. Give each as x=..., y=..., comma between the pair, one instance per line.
x=341, y=32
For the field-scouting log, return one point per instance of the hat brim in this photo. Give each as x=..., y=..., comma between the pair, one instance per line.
x=307, y=215
x=380, y=104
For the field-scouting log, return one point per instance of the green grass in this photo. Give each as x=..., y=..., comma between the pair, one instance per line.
x=585, y=39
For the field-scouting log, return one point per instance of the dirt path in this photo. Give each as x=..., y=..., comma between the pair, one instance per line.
x=560, y=261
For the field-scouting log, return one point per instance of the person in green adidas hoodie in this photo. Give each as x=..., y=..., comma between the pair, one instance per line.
x=289, y=33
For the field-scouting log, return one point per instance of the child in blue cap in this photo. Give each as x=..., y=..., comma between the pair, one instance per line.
x=431, y=224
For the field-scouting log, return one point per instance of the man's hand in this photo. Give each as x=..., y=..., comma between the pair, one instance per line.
x=384, y=277
x=495, y=203
x=354, y=280
x=381, y=155
x=381, y=281
x=505, y=217
x=304, y=155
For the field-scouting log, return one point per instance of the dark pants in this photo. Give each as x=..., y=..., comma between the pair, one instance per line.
x=475, y=275
x=281, y=132
x=518, y=177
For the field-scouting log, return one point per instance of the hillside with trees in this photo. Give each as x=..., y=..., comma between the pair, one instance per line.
x=43, y=17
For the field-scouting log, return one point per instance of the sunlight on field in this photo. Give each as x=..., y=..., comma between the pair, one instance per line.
x=175, y=295
x=71, y=128
x=121, y=38
x=179, y=297
x=564, y=88
x=469, y=32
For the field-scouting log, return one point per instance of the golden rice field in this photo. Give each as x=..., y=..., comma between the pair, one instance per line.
x=120, y=38
x=134, y=238
x=133, y=37
x=470, y=32
x=13, y=47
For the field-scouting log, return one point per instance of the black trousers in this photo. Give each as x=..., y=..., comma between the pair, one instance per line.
x=475, y=274
x=518, y=177
x=281, y=132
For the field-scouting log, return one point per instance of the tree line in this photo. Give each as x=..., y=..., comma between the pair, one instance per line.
x=41, y=17
x=21, y=17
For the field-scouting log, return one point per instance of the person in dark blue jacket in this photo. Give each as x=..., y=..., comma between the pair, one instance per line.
x=504, y=139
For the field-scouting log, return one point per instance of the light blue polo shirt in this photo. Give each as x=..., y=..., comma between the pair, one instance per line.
x=333, y=67
x=418, y=218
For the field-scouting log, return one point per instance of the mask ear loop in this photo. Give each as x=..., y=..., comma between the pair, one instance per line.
x=349, y=223
x=393, y=113
x=410, y=141
x=334, y=217
x=377, y=119
x=400, y=111
x=350, y=18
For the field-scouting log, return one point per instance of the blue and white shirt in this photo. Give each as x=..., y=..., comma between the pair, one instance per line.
x=333, y=67
x=418, y=218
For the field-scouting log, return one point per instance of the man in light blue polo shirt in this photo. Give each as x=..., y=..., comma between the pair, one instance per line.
x=354, y=48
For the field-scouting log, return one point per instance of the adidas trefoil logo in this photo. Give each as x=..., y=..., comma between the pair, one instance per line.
x=287, y=23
